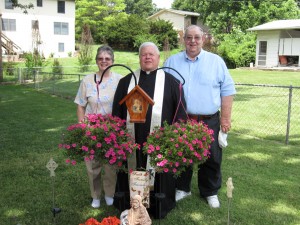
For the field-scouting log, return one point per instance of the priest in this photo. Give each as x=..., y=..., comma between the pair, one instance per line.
x=169, y=105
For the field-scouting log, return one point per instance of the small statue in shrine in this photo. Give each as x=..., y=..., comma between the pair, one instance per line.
x=137, y=106
x=137, y=214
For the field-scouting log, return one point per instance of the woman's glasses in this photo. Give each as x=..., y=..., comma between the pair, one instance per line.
x=104, y=59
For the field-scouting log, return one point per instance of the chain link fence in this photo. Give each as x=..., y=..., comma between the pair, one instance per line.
x=260, y=111
x=267, y=111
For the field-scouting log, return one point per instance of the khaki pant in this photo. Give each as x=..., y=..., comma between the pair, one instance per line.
x=107, y=177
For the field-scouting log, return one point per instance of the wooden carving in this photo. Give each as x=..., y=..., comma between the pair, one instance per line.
x=137, y=102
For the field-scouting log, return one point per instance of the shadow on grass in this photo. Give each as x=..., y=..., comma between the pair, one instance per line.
x=265, y=173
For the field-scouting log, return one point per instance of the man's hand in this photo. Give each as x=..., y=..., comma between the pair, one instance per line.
x=226, y=113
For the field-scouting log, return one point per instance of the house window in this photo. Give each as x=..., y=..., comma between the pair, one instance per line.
x=39, y=3
x=61, y=28
x=61, y=6
x=8, y=4
x=9, y=24
x=61, y=47
x=262, y=53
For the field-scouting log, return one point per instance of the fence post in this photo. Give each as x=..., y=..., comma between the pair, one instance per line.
x=36, y=77
x=289, y=115
x=79, y=79
x=19, y=75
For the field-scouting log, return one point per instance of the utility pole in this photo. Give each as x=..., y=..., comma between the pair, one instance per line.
x=1, y=63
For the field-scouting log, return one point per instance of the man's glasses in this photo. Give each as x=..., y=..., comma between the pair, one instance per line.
x=196, y=38
x=104, y=59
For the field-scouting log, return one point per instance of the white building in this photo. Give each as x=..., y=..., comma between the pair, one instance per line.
x=49, y=26
x=179, y=19
x=278, y=43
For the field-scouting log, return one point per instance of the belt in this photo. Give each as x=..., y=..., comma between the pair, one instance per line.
x=202, y=117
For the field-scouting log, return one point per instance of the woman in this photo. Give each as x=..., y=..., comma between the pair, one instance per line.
x=96, y=97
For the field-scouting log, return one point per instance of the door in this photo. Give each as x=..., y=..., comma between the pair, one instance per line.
x=262, y=53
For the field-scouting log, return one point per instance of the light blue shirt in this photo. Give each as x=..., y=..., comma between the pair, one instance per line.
x=207, y=79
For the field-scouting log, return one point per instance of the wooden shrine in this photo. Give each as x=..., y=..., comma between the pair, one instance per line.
x=137, y=102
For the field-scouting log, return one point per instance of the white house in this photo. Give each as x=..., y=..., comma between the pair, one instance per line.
x=49, y=26
x=278, y=43
x=179, y=19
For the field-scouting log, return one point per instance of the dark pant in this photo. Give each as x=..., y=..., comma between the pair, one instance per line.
x=209, y=173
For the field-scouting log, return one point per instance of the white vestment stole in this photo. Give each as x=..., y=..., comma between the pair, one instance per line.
x=156, y=113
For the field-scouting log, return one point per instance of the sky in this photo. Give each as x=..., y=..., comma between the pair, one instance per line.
x=163, y=3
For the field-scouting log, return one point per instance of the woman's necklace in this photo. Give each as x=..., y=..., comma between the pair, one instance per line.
x=97, y=86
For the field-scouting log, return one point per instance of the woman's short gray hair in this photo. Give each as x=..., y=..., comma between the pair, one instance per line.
x=108, y=50
x=145, y=44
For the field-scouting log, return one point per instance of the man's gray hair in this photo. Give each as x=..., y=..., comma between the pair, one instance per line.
x=192, y=27
x=145, y=44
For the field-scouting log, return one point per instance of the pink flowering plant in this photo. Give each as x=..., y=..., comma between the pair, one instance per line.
x=174, y=147
x=104, y=138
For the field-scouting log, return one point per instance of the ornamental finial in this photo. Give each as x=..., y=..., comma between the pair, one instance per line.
x=51, y=165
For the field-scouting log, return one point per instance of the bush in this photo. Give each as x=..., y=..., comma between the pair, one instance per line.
x=33, y=60
x=57, y=69
x=9, y=68
x=86, y=48
x=141, y=38
x=127, y=32
x=164, y=32
x=237, y=49
x=120, y=32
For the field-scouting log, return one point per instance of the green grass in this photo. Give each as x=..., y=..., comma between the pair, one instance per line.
x=258, y=111
x=265, y=173
x=274, y=77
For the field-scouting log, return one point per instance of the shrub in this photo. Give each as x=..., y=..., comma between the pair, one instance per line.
x=9, y=68
x=57, y=69
x=164, y=31
x=33, y=60
x=127, y=32
x=237, y=49
x=86, y=48
x=141, y=38
x=120, y=32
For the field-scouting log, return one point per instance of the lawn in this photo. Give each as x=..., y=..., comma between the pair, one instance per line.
x=265, y=173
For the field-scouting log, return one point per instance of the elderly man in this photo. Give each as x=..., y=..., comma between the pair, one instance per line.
x=208, y=88
x=163, y=88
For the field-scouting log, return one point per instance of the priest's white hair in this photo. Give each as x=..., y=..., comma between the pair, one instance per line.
x=145, y=44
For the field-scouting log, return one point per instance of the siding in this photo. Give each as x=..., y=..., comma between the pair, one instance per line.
x=272, y=38
x=46, y=16
x=175, y=19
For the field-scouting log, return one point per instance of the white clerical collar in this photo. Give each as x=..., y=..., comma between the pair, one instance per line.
x=148, y=72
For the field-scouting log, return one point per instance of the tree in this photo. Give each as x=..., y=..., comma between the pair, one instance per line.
x=93, y=12
x=224, y=15
x=238, y=48
x=86, y=48
x=143, y=8
x=24, y=7
x=164, y=32
x=229, y=19
x=120, y=31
